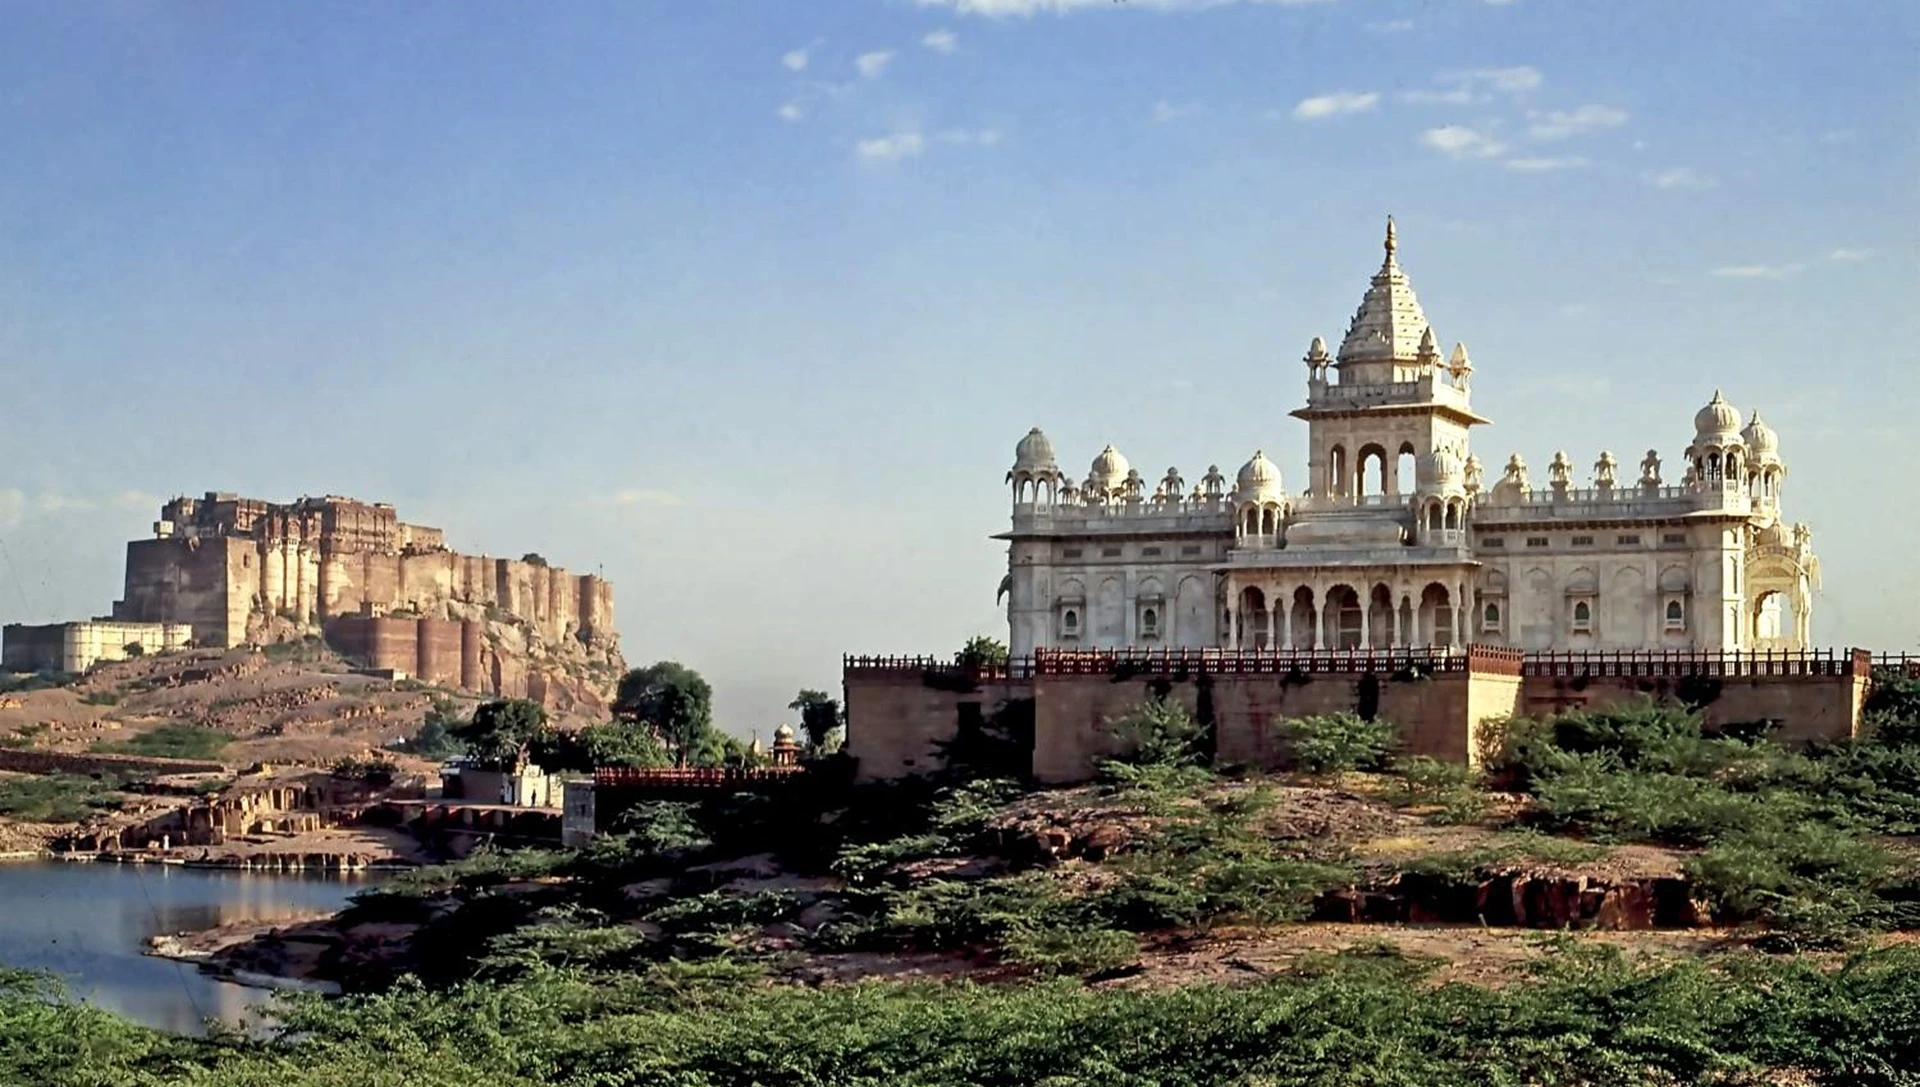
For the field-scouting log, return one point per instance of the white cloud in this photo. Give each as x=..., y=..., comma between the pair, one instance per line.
x=941, y=41
x=1559, y=124
x=796, y=59
x=961, y=137
x=1452, y=96
x=1760, y=271
x=1461, y=142
x=1679, y=177
x=1476, y=85
x=1000, y=9
x=790, y=111
x=1331, y=105
x=1164, y=111
x=900, y=145
x=641, y=496
x=1544, y=165
x=1392, y=26
x=1792, y=268
x=872, y=65
x=1515, y=80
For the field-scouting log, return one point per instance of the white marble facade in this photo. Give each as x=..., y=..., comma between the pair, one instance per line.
x=1402, y=539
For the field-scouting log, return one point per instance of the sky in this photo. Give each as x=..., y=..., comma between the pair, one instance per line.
x=745, y=303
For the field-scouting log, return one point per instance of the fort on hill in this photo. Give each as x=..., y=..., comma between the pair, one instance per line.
x=390, y=594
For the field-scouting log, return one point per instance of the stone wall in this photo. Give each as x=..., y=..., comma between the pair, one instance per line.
x=901, y=710
x=23, y=761
x=75, y=647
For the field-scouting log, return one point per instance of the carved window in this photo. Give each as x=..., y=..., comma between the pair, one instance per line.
x=1494, y=541
x=1583, y=541
x=1150, y=622
x=1109, y=552
x=1490, y=617
x=1150, y=552
x=1582, y=615
x=1631, y=540
x=1070, y=553
x=1674, y=538
x=1070, y=623
x=1676, y=615
x=1538, y=541
x=1190, y=549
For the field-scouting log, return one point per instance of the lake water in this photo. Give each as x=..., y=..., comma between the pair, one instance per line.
x=89, y=923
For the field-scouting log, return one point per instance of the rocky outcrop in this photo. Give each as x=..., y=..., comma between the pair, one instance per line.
x=1526, y=899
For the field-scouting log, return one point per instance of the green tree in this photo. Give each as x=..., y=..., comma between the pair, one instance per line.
x=982, y=650
x=500, y=732
x=819, y=717
x=534, y=558
x=615, y=743
x=675, y=703
x=435, y=739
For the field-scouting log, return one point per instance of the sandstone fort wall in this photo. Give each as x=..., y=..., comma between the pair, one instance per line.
x=901, y=710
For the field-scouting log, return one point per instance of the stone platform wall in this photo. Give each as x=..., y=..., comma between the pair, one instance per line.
x=901, y=711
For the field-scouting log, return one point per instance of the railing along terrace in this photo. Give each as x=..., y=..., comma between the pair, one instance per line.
x=1730, y=664
x=1900, y=663
x=697, y=777
x=1434, y=659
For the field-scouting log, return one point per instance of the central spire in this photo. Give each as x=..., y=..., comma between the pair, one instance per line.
x=1389, y=324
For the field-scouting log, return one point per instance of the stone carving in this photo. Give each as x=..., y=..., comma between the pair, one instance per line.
x=1604, y=471
x=1560, y=471
x=1214, y=483
x=1475, y=474
x=1650, y=470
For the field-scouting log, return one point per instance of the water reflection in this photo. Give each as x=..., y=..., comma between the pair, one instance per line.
x=90, y=922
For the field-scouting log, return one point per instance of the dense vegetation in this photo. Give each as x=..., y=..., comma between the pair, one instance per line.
x=171, y=741
x=58, y=798
x=638, y=961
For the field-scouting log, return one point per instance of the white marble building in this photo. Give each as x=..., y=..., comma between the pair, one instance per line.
x=1398, y=540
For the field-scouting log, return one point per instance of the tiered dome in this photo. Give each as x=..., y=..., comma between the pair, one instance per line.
x=1719, y=421
x=1389, y=324
x=1034, y=452
x=1440, y=470
x=1761, y=441
x=1109, y=468
x=1259, y=480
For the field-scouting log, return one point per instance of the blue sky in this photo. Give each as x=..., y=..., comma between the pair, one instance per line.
x=746, y=302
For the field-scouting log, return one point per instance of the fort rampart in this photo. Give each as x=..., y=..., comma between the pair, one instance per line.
x=902, y=711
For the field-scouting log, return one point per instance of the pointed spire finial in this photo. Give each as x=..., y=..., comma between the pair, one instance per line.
x=1391, y=243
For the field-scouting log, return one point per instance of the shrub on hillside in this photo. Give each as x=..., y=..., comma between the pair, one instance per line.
x=174, y=741
x=1336, y=742
x=1457, y=792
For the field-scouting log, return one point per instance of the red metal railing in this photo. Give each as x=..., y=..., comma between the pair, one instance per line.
x=1500, y=660
x=698, y=778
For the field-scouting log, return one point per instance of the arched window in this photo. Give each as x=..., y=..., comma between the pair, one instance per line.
x=1676, y=615
x=1582, y=615
x=1070, y=622
x=1149, y=621
x=1491, y=617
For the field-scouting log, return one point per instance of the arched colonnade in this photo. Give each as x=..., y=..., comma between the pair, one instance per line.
x=1344, y=615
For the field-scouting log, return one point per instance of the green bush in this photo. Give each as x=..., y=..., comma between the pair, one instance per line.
x=173, y=741
x=1336, y=742
x=58, y=798
x=1458, y=792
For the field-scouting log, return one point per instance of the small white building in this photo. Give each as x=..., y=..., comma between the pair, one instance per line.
x=1398, y=540
x=78, y=646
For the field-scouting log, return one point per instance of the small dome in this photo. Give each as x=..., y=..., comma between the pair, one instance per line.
x=1459, y=363
x=783, y=733
x=1774, y=535
x=1034, y=451
x=1317, y=350
x=1439, y=469
x=1110, y=467
x=1259, y=479
x=1718, y=419
x=1761, y=440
